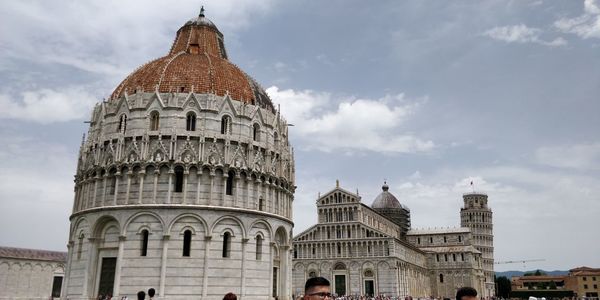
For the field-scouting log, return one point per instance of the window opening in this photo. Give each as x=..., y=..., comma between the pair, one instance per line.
x=190, y=124
x=229, y=183
x=258, y=247
x=144, y=248
x=187, y=242
x=226, y=244
x=178, y=180
x=154, y=121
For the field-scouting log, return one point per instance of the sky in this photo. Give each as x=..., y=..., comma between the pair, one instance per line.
x=427, y=95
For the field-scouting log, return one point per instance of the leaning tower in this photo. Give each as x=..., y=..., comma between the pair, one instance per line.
x=185, y=182
x=477, y=216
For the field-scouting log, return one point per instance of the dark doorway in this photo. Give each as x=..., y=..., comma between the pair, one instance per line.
x=340, y=285
x=369, y=288
x=107, y=275
x=56, y=286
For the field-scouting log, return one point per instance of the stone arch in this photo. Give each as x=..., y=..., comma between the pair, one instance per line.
x=340, y=266
x=78, y=227
x=139, y=214
x=229, y=217
x=100, y=226
x=181, y=216
x=261, y=221
x=281, y=236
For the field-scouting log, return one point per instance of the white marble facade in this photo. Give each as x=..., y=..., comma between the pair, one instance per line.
x=143, y=185
x=27, y=278
x=362, y=252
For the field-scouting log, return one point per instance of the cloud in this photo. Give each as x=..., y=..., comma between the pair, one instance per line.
x=326, y=124
x=522, y=34
x=580, y=156
x=47, y=106
x=36, y=189
x=586, y=25
x=108, y=37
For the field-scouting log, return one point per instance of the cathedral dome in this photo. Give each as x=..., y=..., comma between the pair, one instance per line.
x=386, y=200
x=198, y=63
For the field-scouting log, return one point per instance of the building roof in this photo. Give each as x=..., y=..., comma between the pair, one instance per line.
x=387, y=200
x=33, y=254
x=198, y=63
x=450, y=249
x=425, y=231
x=584, y=271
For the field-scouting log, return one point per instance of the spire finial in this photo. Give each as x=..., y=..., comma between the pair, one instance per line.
x=201, y=11
x=337, y=183
x=385, y=187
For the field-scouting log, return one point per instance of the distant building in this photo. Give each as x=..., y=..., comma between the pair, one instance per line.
x=31, y=274
x=584, y=281
x=372, y=250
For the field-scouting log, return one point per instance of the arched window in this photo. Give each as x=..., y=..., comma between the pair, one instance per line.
x=462, y=257
x=256, y=132
x=122, y=123
x=80, y=246
x=154, y=120
x=144, y=247
x=258, y=247
x=187, y=242
x=229, y=183
x=225, y=125
x=190, y=122
x=261, y=204
x=459, y=238
x=226, y=244
x=178, y=179
x=445, y=239
x=441, y=278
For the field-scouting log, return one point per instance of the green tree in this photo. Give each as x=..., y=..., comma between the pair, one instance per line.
x=552, y=285
x=503, y=286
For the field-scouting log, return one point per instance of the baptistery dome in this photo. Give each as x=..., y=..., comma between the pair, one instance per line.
x=197, y=62
x=184, y=183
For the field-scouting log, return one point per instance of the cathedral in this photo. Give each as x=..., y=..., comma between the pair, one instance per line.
x=184, y=183
x=373, y=250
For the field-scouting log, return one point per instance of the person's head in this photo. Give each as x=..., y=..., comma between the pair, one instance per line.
x=141, y=295
x=230, y=296
x=466, y=293
x=317, y=288
x=151, y=292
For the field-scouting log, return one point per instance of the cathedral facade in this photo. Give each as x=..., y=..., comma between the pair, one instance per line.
x=373, y=250
x=184, y=183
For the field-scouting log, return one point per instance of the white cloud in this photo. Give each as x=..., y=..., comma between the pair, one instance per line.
x=108, y=37
x=580, y=156
x=522, y=34
x=586, y=25
x=47, y=106
x=326, y=125
x=36, y=191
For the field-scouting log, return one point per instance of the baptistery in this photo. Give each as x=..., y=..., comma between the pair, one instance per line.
x=184, y=182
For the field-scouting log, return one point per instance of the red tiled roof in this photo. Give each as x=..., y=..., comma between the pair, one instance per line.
x=195, y=63
x=34, y=254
